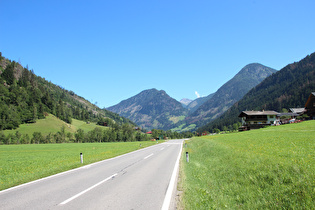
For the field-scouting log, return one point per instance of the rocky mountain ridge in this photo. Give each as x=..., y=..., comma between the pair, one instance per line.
x=155, y=109
x=151, y=109
x=229, y=93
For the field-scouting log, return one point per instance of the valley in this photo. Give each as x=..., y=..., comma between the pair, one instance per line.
x=157, y=105
x=152, y=108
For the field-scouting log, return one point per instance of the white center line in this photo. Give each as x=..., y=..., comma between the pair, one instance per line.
x=162, y=148
x=90, y=188
x=148, y=156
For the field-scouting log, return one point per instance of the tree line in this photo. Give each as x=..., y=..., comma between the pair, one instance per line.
x=124, y=133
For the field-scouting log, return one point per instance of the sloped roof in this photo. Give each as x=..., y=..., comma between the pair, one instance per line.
x=297, y=110
x=249, y=113
x=291, y=114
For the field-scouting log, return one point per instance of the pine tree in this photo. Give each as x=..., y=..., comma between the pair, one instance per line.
x=8, y=73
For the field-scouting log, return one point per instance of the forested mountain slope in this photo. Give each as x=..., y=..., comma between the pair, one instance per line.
x=229, y=93
x=25, y=97
x=151, y=109
x=288, y=88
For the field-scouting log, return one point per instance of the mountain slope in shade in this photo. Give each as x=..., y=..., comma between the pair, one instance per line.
x=232, y=91
x=151, y=109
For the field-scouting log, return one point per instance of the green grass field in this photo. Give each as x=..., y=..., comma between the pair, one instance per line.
x=23, y=163
x=52, y=124
x=270, y=168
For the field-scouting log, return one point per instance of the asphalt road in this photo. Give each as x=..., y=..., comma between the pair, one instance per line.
x=137, y=180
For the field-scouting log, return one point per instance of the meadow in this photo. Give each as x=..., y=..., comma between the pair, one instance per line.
x=23, y=163
x=270, y=168
x=51, y=124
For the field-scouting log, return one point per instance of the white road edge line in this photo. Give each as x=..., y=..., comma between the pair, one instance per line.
x=168, y=195
x=148, y=156
x=90, y=188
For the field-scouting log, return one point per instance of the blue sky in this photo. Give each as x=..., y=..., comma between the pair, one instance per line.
x=107, y=51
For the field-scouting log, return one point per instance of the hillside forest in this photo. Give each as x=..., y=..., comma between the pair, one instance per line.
x=26, y=98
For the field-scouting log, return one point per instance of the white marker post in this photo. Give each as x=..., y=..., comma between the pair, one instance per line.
x=81, y=157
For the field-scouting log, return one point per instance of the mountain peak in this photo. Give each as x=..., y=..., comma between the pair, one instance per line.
x=151, y=108
x=255, y=70
x=185, y=101
x=229, y=93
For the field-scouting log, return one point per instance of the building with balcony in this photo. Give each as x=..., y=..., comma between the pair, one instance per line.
x=258, y=119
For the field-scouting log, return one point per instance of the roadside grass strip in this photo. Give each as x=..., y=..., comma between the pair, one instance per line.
x=24, y=163
x=270, y=168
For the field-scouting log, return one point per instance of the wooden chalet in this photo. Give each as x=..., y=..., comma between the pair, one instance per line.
x=310, y=106
x=258, y=119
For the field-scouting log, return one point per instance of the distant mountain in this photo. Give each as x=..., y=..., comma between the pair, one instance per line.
x=232, y=91
x=288, y=88
x=195, y=104
x=185, y=102
x=151, y=109
x=155, y=109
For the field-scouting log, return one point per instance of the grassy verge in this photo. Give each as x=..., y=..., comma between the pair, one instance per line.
x=270, y=168
x=23, y=163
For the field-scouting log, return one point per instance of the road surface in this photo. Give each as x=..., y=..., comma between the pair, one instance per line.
x=137, y=180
